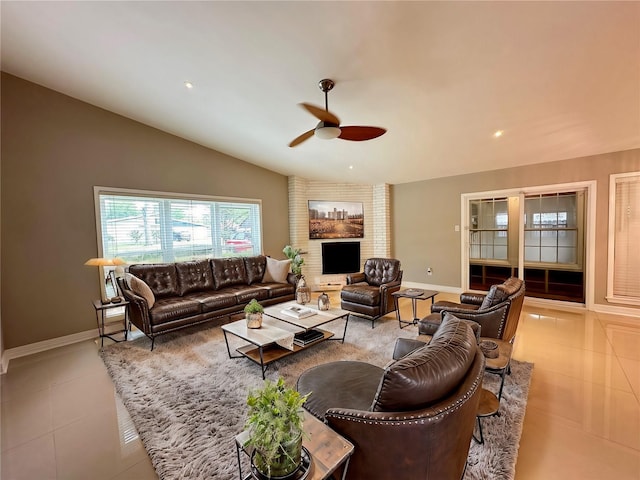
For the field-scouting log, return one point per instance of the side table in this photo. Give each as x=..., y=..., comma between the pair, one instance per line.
x=414, y=294
x=329, y=450
x=100, y=314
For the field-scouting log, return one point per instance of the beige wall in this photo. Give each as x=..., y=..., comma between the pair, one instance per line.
x=54, y=150
x=429, y=239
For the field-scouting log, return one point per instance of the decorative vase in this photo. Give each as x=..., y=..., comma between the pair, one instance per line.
x=323, y=302
x=284, y=466
x=303, y=292
x=254, y=320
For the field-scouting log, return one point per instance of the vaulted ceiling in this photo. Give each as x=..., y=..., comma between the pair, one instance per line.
x=559, y=79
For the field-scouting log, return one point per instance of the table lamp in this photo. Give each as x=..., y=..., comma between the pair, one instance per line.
x=107, y=262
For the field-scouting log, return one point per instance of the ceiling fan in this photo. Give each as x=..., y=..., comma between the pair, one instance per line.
x=329, y=125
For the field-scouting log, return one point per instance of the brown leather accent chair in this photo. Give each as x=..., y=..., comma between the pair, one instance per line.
x=369, y=292
x=413, y=419
x=497, y=312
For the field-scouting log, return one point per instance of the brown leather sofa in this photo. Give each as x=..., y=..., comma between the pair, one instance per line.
x=413, y=419
x=369, y=292
x=188, y=293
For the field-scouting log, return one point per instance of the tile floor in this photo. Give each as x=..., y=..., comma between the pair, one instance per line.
x=61, y=420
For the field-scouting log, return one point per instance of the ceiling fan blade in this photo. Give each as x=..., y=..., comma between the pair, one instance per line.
x=302, y=138
x=320, y=113
x=358, y=134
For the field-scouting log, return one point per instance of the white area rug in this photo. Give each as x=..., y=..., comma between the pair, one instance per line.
x=187, y=398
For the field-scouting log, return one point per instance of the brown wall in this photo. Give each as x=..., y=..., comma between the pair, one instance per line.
x=54, y=150
x=432, y=241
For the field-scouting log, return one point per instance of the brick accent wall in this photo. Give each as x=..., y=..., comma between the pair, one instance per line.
x=377, y=225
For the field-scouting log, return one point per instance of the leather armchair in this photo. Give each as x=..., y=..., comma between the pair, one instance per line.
x=369, y=292
x=497, y=312
x=412, y=420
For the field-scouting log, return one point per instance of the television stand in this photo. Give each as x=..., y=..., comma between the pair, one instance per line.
x=330, y=282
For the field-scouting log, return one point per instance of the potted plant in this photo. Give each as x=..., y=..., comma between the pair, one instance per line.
x=275, y=424
x=297, y=261
x=253, y=313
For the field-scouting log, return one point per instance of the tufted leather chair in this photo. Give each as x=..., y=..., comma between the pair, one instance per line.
x=369, y=292
x=413, y=419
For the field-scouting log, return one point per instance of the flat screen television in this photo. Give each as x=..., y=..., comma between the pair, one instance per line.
x=340, y=257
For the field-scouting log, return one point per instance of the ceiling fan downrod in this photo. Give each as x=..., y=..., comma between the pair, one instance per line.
x=326, y=84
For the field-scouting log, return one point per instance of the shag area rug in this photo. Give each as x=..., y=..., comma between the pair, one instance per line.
x=187, y=399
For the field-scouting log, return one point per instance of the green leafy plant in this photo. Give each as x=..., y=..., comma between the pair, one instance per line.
x=253, y=307
x=294, y=254
x=275, y=423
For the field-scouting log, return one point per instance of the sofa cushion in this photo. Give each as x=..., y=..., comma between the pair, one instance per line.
x=162, y=278
x=168, y=309
x=246, y=293
x=214, y=300
x=429, y=373
x=194, y=276
x=228, y=272
x=140, y=288
x=381, y=270
x=276, y=271
x=277, y=289
x=255, y=267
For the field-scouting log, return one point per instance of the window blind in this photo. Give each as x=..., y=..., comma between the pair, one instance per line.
x=626, y=258
x=149, y=228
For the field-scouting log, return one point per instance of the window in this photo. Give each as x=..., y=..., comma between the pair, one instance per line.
x=489, y=229
x=623, y=283
x=148, y=227
x=552, y=228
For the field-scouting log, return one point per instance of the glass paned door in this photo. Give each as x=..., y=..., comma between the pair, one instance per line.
x=549, y=226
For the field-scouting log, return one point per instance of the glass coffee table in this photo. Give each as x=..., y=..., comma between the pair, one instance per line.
x=275, y=339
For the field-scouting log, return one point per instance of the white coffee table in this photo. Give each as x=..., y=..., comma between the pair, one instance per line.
x=274, y=340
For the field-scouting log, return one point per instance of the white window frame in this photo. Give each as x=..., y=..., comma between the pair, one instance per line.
x=98, y=190
x=589, y=186
x=611, y=297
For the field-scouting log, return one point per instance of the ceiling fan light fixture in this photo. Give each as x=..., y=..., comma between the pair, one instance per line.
x=327, y=133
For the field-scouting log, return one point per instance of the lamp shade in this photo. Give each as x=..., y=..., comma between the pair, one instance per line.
x=104, y=262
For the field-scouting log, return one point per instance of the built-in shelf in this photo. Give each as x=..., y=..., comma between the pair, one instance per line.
x=542, y=282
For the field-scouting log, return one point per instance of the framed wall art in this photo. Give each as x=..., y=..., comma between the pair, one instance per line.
x=335, y=219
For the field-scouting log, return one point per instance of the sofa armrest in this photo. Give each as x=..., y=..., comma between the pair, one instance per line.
x=138, y=311
x=472, y=298
x=355, y=278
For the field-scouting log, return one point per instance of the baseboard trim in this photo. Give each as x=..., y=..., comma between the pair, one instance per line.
x=44, y=345
x=616, y=310
x=428, y=286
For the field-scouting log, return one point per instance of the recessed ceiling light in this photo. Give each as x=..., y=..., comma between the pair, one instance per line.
x=350, y=167
x=189, y=85
x=498, y=133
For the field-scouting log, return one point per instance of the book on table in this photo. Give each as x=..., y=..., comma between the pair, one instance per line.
x=305, y=338
x=298, y=312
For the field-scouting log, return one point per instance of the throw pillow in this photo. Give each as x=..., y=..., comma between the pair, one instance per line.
x=276, y=271
x=138, y=287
